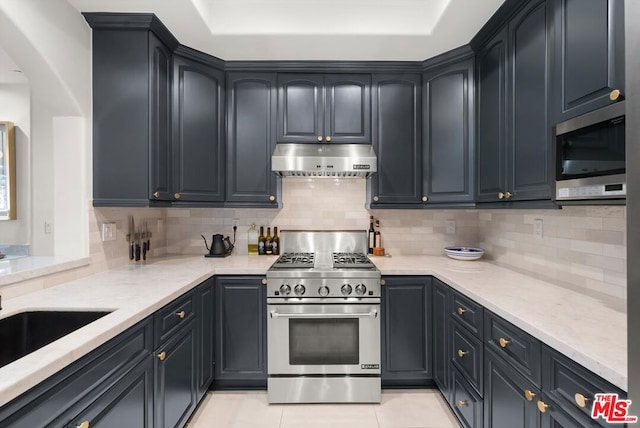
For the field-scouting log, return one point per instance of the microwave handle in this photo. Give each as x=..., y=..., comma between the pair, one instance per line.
x=372, y=314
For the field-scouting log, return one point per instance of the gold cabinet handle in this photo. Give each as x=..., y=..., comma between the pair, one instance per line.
x=425, y=199
x=272, y=198
x=375, y=198
x=181, y=314
x=615, y=94
x=328, y=138
x=529, y=395
x=501, y=195
x=84, y=424
x=507, y=195
x=542, y=406
x=503, y=342
x=461, y=310
x=462, y=353
x=264, y=281
x=176, y=195
x=462, y=403
x=156, y=194
x=383, y=282
x=162, y=355
x=319, y=137
x=581, y=400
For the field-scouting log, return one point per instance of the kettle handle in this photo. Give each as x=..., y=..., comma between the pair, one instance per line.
x=230, y=245
x=205, y=243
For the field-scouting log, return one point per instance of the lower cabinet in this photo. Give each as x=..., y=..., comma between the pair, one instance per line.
x=240, y=333
x=441, y=354
x=205, y=309
x=406, y=332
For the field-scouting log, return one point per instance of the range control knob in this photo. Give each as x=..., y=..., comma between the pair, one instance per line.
x=299, y=289
x=323, y=291
x=346, y=289
x=361, y=289
x=285, y=290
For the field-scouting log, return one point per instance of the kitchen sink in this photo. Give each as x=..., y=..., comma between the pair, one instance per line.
x=25, y=332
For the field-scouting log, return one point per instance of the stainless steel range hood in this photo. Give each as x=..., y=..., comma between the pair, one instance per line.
x=324, y=160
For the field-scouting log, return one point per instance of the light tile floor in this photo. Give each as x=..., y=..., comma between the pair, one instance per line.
x=422, y=408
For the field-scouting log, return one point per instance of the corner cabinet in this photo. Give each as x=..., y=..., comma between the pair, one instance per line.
x=251, y=138
x=397, y=140
x=589, y=55
x=198, y=132
x=515, y=161
x=319, y=108
x=406, y=332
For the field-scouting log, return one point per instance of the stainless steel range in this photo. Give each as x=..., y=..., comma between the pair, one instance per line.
x=323, y=299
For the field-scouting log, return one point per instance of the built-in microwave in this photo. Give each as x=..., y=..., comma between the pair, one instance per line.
x=590, y=156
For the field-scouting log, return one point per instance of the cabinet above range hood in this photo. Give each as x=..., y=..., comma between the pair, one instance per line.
x=324, y=160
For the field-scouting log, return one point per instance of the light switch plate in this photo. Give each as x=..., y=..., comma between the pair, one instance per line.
x=451, y=227
x=108, y=232
x=538, y=228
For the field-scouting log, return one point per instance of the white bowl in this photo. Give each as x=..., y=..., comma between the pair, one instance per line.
x=464, y=253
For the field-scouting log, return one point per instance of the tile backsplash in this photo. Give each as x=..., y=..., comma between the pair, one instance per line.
x=582, y=246
x=326, y=204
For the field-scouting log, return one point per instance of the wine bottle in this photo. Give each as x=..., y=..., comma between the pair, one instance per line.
x=275, y=242
x=372, y=235
x=252, y=240
x=378, y=237
x=268, y=243
x=262, y=242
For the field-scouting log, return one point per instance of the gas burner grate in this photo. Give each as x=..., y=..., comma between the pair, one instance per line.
x=295, y=260
x=351, y=260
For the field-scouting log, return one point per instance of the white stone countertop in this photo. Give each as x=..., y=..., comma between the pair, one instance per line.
x=16, y=269
x=590, y=331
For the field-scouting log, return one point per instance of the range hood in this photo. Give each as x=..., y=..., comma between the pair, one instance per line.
x=324, y=160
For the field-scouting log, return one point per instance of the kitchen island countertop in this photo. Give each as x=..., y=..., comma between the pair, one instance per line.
x=589, y=329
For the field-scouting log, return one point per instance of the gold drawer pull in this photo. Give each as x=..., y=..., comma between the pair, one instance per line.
x=319, y=137
x=501, y=195
x=328, y=138
x=272, y=198
x=615, y=94
x=264, y=281
x=155, y=195
x=581, y=400
x=462, y=353
x=376, y=199
x=462, y=403
x=529, y=395
x=383, y=282
x=84, y=424
x=181, y=314
x=461, y=310
x=503, y=342
x=162, y=355
x=507, y=195
x=542, y=406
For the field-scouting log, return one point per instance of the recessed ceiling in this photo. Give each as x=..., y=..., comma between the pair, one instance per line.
x=314, y=29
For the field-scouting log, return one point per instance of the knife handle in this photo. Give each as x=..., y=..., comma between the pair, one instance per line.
x=137, y=252
x=131, y=251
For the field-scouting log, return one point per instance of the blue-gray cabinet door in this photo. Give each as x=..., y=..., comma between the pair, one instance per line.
x=491, y=70
x=347, y=111
x=198, y=132
x=441, y=354
x=529, y=157
x=205, y=311
x=509, y=398
x=240, y=333
x=589, y=55
x=397, y=139
x=175, y=375
x=406, y=332
x=251, y=138
x=448, y=166
x=300, y=108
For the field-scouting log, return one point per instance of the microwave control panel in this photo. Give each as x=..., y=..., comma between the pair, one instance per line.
x=615, y=190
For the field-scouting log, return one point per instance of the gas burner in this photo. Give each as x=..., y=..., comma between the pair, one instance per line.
x=347, y=260
x=295, y=260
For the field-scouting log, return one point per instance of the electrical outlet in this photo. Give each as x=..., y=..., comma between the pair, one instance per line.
x=451, y=227
x=537, y=228
x=48, y=227
x=235, y=222
x=108, y=232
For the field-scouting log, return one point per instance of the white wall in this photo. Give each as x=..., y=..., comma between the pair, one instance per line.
x=15, y=107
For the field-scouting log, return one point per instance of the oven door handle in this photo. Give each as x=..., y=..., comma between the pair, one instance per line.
x=372, y=314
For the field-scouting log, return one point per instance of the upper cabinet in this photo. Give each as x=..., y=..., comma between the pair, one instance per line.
x=251, y=138
x=514, y=132
x=589, y=55
x=324, y=108
x=131, y=110
x=198, y=132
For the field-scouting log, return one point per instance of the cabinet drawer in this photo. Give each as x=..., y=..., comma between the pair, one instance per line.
x=468, y=312
x=467, y=355
x=174, y=315
x=519, y=348
x=567, y=383
x=466, y=403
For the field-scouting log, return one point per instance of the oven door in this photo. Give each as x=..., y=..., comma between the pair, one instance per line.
x=305, y=339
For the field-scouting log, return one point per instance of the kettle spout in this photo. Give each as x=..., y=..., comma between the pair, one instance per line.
x=205, y=242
